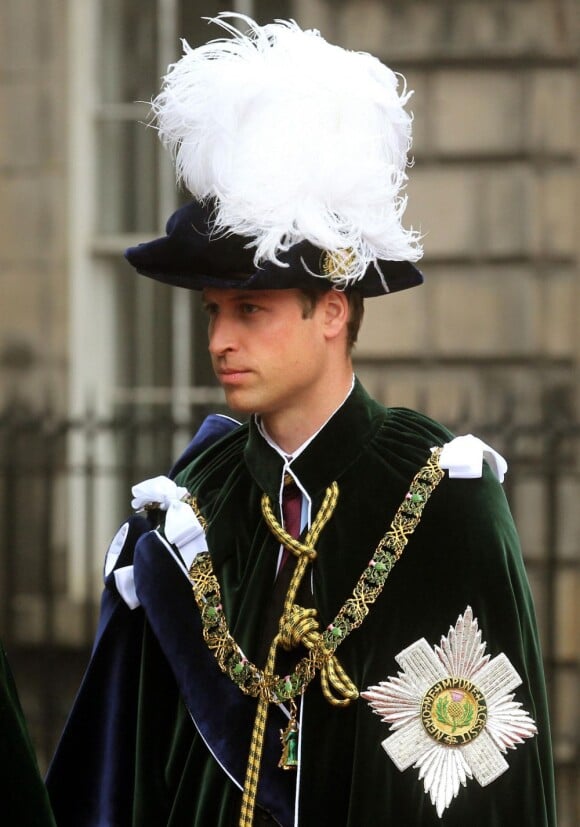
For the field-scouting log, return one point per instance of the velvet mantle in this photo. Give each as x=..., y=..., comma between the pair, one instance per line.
x=132, y=756
x=24, y=798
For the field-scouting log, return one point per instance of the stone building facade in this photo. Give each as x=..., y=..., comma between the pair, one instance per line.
x=494, y=187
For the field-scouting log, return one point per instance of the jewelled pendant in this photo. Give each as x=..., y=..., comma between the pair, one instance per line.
x=289, y=741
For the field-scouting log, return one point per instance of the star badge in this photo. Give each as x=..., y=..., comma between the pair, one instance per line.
x=451, y=711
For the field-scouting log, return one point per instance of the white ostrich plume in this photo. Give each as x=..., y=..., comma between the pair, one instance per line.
x=295, y=139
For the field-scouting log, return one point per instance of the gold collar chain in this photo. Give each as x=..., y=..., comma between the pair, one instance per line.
x=299, y=625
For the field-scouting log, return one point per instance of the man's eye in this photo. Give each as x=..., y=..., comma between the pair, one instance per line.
x=248, y=309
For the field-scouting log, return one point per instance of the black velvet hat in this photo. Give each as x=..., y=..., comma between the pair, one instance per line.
x=193, y=255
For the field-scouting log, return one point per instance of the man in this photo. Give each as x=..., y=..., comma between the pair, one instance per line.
x=323, y=616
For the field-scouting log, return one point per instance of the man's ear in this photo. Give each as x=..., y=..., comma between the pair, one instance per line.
x=336, y=310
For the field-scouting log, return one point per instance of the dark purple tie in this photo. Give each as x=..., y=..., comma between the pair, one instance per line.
x=291, y=512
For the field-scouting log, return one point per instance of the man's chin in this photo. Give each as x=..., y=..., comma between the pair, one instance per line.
x=239, y=403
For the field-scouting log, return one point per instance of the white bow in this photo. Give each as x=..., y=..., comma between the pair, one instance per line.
x=463, y=458
x=182, y=528
x=159, y=490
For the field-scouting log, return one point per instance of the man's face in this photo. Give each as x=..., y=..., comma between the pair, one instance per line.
x=267, y=356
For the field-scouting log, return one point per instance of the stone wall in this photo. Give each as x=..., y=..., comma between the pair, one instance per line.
x=33, y=145
x=494, y=189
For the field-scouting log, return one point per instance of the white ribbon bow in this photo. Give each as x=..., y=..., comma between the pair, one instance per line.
x=182, y=528
x=463, y=458
x=159, y=490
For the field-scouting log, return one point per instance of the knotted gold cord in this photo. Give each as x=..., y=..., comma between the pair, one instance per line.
x=299, y=625
x=305, y=552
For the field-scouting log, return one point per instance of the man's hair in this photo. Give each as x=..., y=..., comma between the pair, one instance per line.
x=310, y=297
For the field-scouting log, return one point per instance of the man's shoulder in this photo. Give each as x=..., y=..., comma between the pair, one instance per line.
x=462, y=457
x=397, y=428
x=220, y=440
x=405, y=426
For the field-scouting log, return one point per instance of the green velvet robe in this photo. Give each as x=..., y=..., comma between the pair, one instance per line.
x=464, y=552
x=24, y=798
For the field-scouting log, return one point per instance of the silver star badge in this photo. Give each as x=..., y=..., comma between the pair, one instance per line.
x=451, y=711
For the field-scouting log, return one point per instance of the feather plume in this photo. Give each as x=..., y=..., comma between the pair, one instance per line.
x=295, y=139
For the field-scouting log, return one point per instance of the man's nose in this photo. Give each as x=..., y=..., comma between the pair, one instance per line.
x=221, y=336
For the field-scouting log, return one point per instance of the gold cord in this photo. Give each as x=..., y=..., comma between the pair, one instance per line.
x=305, y=555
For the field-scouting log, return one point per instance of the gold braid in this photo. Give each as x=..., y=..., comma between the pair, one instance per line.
x=299, y=625
x=305, y=553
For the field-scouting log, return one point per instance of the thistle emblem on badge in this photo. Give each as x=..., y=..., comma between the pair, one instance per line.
x=451, y=711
